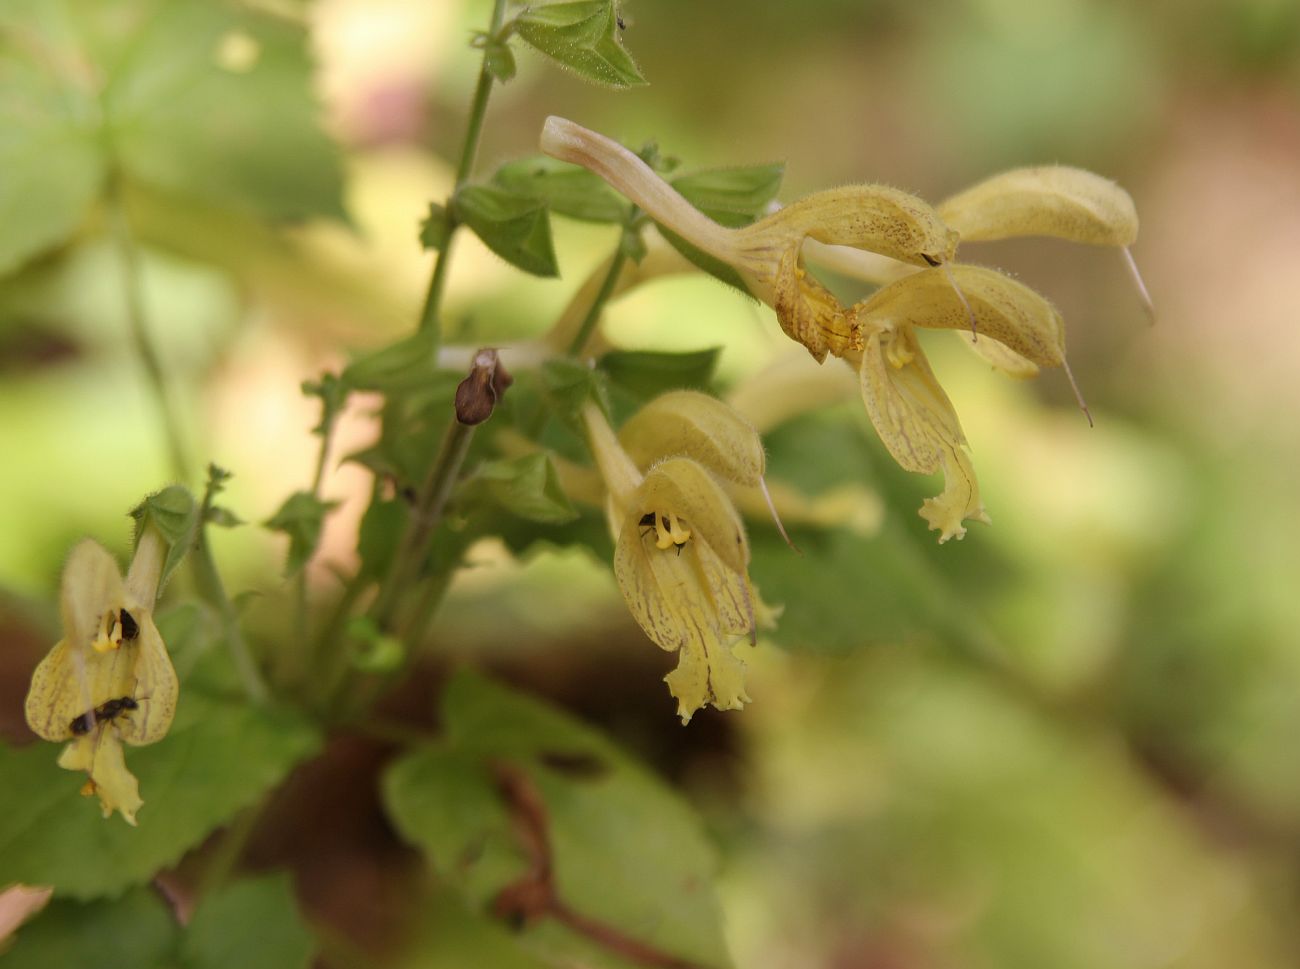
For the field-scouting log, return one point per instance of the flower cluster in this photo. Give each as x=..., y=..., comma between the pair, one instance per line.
x=682, y=557
x=1009, y=324
x=109, y=681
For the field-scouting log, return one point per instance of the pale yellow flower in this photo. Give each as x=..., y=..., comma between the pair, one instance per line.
x=109, y=681
x=682, y=557
x=1007, y=323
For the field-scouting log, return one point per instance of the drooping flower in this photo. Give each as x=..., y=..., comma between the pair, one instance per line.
x=109, y=681
x=682, y=557
x=1007, y=323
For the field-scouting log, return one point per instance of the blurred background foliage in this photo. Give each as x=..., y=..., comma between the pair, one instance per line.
x=1067, y=741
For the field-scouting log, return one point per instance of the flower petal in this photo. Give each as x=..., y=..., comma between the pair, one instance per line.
x=1005, y=310
x=92, y=587
x=1051, y=200
x=153, y=686
x=99, y=753
x=684, y=488
x=697, y=426
x=808, y=312
x=917, y=423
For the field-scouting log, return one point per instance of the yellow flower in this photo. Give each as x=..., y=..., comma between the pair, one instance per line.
x=109, y=681
x=879, y=227
x=681, y=556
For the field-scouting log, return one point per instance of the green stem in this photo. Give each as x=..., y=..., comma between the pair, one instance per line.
x=606, y=290
x=425, y=516
x=304, y=647
x=132, y=278
x=473, y=132
x=208, y=582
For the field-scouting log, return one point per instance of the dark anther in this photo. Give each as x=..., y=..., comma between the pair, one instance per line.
x=130, y=628
x=930, y=259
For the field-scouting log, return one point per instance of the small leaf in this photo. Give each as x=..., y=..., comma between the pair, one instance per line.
x=647, y=373
x=583, y=36
x=301, y=517
x=219, y=757
x=379, y=652
x=732, y=196
x=222, y=517
x=253, y=924
x=714, y=267
x=567, y=189
x=569, y=384
x=136, y=930
x=500, y=60
x=631, y=244
x=516, y=227
x=436, y=228
x=333, y=394
x=530, y=488
x=175, y=515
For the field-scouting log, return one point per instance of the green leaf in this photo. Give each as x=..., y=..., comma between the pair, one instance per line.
x=569, y=384
x=175, y=515
x=409, y=364
x=220, y=756
x=52, y=162
x=436, y=228
x=732, y=196
x=713, y=266
x=135, y=931
x=500, y=60
x=379, y=652
x=627, y=852
x=333, y=394
x=515, y=227
x=583, y=36
x=381, y=530
x=252, y=924
x=529, y=487
x=301, y=517
x=204, y=100
x=648, y=373
x=567, y=189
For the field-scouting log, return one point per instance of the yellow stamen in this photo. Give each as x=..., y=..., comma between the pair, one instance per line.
x=670, y=532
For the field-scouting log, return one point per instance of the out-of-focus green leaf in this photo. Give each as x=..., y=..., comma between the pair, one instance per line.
x=377, y=651
x=408, y=364
x=219, y=757
x=333, y=394
x=732, y=196
x=205, y=100
x=582, y=35
x=174, y=514
x=500, y=60
x=52, y=163
x=301, y=517
x=569, y=384
x=135, y=930
x=648, y=373
x=627, y=852
x=381, y=530
x=516, y=227
x=528, y=487
x=252, y=924
x=566, y=189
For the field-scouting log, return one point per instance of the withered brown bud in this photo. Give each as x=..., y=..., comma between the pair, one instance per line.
x=477, y=394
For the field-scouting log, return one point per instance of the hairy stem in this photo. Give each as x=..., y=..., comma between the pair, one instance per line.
x=473, y=132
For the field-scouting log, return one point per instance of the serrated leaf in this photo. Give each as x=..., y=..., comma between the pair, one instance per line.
x=301, y=517
x=174, y=513
x=136, y=930
x=627, y=852
x=648, y=373
x=219, y=757
x=583, y=36
x=252, y=924
x=567, y=189
x=732, y=196
x=516, y=227
x=436, y=228
x=528, y=487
